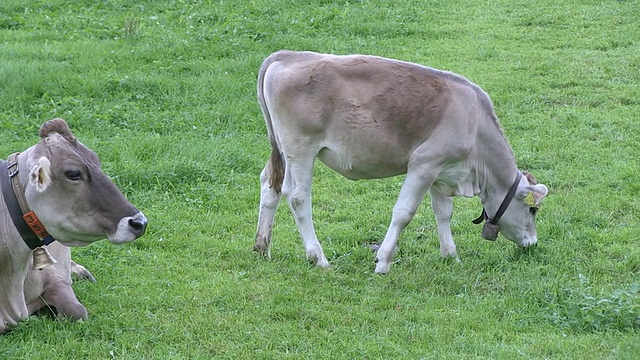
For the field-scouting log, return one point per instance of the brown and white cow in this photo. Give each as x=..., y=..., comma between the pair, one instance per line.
x=369, y=117
x=64, y=186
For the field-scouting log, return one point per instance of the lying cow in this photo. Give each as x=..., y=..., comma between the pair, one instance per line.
x=63, y=194
x=368, y=117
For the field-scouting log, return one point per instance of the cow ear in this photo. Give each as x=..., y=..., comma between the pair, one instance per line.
x=533, y=194
x=40, y=174
x=57, y=126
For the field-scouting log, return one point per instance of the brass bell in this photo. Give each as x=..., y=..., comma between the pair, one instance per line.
x=42, y=258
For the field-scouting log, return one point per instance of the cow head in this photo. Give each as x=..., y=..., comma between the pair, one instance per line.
x=67, y=190
x=518, y=222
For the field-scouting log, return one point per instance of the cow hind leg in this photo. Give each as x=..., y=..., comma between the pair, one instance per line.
x=270, y=194
x=297, y=191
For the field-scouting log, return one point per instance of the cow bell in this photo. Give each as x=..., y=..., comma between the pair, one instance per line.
x=490, y=231
x=42, y=258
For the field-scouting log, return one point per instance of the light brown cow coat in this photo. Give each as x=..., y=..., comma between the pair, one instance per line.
x=369, y=117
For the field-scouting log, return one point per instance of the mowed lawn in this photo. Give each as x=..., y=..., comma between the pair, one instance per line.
x=164, y=92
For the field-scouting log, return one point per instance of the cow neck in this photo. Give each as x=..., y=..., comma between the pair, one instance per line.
x=26, y=222
x=503, y=206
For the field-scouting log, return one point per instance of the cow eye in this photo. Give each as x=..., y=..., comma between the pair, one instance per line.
x=74, y=175
x=533, y=210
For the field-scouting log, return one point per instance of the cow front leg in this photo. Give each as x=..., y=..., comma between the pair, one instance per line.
x=81, y=272
x=59, y=294
x=443, y=209
x=297, y=191
x=270, y=195
x=412, y=192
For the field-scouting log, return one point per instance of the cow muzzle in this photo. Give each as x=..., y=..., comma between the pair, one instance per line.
x=130, y=228
x=138, y=223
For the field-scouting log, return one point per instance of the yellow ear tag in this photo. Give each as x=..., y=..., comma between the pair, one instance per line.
x=529, y=200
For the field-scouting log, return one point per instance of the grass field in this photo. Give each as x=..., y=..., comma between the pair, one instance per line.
x=164, y=92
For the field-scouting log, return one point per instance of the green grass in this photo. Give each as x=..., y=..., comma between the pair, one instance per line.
x=164, y=92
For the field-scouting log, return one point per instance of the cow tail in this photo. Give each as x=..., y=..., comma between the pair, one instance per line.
x=276, y=164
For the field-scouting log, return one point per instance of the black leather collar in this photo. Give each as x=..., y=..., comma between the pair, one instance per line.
x=34, y=240
x=503, y=206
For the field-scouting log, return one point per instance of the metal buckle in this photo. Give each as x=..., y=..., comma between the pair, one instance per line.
x=12, y=165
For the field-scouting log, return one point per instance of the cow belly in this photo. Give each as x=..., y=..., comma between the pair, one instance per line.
x=356, y=165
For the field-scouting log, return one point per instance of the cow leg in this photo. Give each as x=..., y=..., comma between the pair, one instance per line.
x=297, y=190
x=13, y=307
x=59, y=294
x=412, y=192
x=81, y=272
x=443, y=208
x=269, y=200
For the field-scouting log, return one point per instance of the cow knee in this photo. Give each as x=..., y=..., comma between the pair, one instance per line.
x=264, y=177
x=296, y=197
x=401, y=217
x=297, y=201
x=269, y=199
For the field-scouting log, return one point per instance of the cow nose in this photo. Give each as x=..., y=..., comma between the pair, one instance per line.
x=138, y=223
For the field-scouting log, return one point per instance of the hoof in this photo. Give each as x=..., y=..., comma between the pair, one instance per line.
x=261, y=246
x=318, y=258
x=451, y=255
x=265, y=253
x=381, y=268
x=81, y=272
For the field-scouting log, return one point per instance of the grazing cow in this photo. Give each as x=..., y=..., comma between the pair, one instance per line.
x=55, y=190
x=369, y=117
